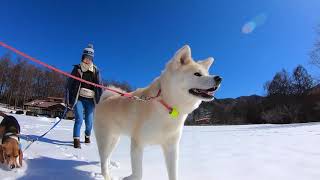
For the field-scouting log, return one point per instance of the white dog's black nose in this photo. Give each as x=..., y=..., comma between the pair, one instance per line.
x=12, y=166
x=217, y=79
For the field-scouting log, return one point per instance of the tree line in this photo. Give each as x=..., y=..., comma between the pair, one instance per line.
x=283, y=84
x=290, y=98
x=22, y=82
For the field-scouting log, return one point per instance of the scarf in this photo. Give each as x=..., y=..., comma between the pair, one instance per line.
x=86, y=67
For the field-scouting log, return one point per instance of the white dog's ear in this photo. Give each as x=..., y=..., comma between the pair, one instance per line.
x=183, y=55
x=207, y=62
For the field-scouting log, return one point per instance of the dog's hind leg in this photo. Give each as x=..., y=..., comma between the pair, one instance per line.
x=136, y=161
x=106, y=145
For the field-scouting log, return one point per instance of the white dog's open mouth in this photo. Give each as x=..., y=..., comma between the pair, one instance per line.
x=203, y=93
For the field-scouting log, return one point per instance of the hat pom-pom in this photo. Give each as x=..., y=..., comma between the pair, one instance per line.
x=90, y=46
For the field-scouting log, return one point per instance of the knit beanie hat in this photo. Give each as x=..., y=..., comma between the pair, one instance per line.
x=88, y=51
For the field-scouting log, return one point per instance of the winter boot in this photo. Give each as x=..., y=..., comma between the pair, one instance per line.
x=76, y=143
x=87, y=139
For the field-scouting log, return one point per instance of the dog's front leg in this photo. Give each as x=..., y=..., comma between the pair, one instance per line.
x=136, y=161
x=171, y=154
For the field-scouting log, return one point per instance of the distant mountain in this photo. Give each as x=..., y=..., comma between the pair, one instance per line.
x=256, y=109
x=227, y=111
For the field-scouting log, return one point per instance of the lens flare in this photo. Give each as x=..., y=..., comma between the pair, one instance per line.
x=248, y=27
x=257, y=21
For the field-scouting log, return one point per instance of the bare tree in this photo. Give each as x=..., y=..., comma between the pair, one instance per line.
x=315, y=53
x=286, y=113
x=280, y=84
x=14, y=83
x=5, y=69
x=21, y=82
x=302, y=81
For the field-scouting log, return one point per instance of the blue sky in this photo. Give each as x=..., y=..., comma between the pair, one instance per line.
x=134, y=39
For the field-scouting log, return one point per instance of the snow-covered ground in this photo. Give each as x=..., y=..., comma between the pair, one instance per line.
x=251, y=152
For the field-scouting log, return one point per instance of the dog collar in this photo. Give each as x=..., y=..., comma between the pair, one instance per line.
x=173, y=111
x=8, y=134
x=13, y=136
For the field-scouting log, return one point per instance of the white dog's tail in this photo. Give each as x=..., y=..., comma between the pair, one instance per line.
x=106, y=94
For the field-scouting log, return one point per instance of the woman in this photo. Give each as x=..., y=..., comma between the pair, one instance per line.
x=82, y=97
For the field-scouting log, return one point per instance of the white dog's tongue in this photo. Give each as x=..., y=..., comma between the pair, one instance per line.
x=206, y=92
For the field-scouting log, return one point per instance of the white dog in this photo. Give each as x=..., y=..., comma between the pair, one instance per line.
x=183, y=84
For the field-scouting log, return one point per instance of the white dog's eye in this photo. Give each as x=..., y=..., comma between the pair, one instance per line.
x=197, y=74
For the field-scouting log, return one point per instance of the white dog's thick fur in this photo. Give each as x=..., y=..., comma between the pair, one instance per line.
x=184, y=84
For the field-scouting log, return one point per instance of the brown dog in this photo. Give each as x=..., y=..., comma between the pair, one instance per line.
x=10, y=151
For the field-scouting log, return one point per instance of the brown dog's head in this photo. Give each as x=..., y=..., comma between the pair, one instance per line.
x=10, y=153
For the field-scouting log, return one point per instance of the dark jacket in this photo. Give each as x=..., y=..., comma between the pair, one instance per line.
x=73, y=86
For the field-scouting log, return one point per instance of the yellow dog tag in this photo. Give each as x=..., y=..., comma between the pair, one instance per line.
x=174, y=113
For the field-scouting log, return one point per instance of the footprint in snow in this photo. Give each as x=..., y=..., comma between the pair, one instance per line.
x=98, y=176
x=114, y=164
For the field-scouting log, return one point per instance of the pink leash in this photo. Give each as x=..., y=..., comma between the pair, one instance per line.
x=60, y=71
x=129, y=95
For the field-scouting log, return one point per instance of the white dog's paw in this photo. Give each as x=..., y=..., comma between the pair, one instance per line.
x=116, y=178
x=96, y=176
x=132, y=178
